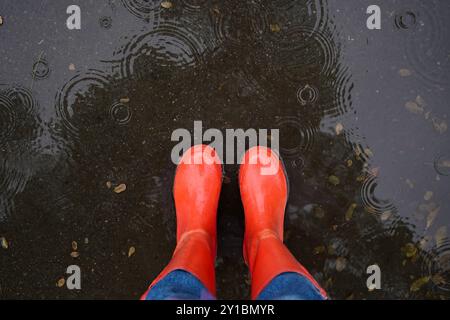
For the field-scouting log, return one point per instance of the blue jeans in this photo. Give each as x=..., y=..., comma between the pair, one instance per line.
x=181, y=285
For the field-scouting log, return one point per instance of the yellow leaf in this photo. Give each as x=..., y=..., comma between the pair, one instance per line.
x=120, y=188
x=319, y=250
x=410, y=250
x=334, y=180
x=61, y=283
x=350, y=211
x=275, y=27
x=166, y=4
x=74, y=245
x=131, y=251
x=419, y=283
x=4, y=243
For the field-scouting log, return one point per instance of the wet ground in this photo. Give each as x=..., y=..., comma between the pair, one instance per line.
x=362, y=114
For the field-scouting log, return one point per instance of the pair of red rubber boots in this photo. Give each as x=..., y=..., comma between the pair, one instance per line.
x=196, y=191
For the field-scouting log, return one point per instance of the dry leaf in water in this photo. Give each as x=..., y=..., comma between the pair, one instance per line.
x=410, y=250
x=120, y=188
x=319, y=250
x=428, y=195
x=334, y=180
x=275, y=27
x=438, y=279
x=341, y=263
x=4, y=243
x=419, y=283
x=350, y=211
x=413, y=107
x=386, y=215
x=339, y=128
x=166, y=4
x=61, y=283
x=404, y=72
x=432, y=214
x=131, y=251
x=439, y=125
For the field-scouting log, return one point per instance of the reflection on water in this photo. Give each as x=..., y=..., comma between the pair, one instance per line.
x=364, y=140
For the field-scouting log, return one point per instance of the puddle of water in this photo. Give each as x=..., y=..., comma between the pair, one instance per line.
x=363, y=133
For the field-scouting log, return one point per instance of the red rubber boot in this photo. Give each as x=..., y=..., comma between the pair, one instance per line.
x=264, y=192
x=196, y=191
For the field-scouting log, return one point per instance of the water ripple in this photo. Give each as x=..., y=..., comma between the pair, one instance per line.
x=436, y=265
x=371, y=201
x=7, y=118
x=77, y=86
x=170, y=45
x=240, y=25
x=146, y=10
x=304, y=51
x=427, y=48
x=300, y=135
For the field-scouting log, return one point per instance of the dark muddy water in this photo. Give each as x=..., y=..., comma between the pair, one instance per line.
x=362, y=114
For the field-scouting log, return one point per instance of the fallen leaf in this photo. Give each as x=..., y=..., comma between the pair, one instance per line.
x=349, y=163
x=425, y=241
x=108, y=184
x=74, y=245
x=439, y=125
x=334, y=180
x=420, y=101
x=428, y=195
x=319, y=250
x=166, y=4
x=410, y=250
x=374, y=171
x=339, y=128
x=350, y=211
x=413, y=107
x=368, y=152
x=1, y=20
x=131, y=251
x=72, y=67
x=419, y=283
x=386, y=215
x=319, y=212
x=275, y=27
x=341, y=263
x=120, y=188
x=216, y=11
x=60, y=283
x=440, y=236
x=75, y=254
x=124, y=100
x=431, y=216
x=409, y=183
x=438, y=279
x=404, y=72
x=4, y=243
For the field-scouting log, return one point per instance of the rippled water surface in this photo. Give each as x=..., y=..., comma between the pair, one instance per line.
x=363, y=119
